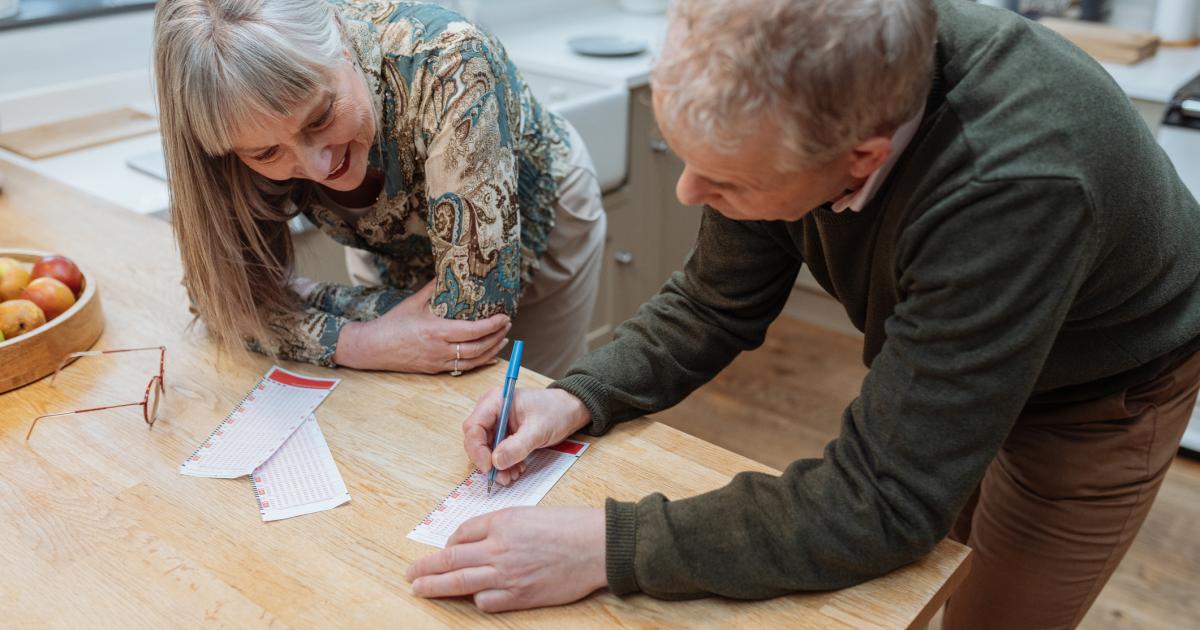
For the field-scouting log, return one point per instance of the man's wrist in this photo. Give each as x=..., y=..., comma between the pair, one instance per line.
x=582, y=415
x=592, y=394
x=600, y=538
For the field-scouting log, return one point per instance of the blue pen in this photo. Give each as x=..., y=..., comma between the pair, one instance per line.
x=510, y=388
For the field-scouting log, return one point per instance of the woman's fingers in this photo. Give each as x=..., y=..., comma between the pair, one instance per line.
x=466, y=365
x=463, y=331
x=475, y=349
x=418, y=301
x=426, y=292
x=413, y=306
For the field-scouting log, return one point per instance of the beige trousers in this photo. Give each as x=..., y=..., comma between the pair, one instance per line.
x=555, y=311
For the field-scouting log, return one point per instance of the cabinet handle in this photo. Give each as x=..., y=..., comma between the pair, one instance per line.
x=659, y=146
x=623, y=257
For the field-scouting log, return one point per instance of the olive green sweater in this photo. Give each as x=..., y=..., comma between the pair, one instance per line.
x=1033, y=245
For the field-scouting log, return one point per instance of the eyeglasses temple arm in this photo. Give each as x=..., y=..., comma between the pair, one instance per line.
x=68, y=413
x=95, y=353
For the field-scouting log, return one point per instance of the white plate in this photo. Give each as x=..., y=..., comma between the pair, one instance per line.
x=606, y=46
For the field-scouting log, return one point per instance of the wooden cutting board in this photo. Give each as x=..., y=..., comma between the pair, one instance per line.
x=1105, y=43
x=73, y=134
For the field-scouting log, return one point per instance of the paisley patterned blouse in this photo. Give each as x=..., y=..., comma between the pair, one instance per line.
x=472, y=164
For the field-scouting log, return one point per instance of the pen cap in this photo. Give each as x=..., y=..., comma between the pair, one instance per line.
x=514, y=360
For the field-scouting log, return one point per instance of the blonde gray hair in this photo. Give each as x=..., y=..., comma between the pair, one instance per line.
x=219, y=64
x=827, y=73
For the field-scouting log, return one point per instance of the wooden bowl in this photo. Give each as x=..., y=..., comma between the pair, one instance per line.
x=35, y=354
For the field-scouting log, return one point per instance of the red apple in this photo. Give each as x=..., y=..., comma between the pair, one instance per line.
x=50, y=295
x=18, y=317
x=62, y=269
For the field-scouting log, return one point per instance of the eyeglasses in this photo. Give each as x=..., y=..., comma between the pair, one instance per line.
x=155, y=389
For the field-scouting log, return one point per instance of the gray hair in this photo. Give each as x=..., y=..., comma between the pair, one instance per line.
x=828, y=73
x=220, y=63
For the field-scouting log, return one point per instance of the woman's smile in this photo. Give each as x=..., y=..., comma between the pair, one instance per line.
x=343, y=166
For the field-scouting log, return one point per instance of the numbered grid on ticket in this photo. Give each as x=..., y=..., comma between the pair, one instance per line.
x=259, y=425
x=544, y=467
x=300, y=478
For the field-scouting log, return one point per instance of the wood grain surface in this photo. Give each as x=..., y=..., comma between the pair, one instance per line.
x=100, y=529
x=65, y=136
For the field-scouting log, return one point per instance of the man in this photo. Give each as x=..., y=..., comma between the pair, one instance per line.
x=1021, y=257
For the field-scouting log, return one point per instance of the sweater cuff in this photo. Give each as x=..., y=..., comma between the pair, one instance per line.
x=620, y=540
x=592, y=393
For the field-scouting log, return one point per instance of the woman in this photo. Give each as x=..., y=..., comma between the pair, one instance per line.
x=404, y=133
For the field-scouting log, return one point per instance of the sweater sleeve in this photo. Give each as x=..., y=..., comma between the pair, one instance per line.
x=987, y=277
x=734, y=283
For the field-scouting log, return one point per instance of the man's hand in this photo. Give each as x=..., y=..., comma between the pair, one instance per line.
x=518, y=558
x=539, y=418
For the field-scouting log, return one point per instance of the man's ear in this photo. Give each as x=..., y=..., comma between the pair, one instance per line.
x=867, y=156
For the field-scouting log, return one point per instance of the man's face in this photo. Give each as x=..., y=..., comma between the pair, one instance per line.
x=748, y=185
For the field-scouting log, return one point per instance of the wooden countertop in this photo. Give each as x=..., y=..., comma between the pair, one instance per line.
x=100, y=529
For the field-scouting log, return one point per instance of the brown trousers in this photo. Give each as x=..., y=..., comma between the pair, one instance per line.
x=1060, y=505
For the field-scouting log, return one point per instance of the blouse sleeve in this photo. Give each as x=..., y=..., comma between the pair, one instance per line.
x=467, y=120
x=311, y=334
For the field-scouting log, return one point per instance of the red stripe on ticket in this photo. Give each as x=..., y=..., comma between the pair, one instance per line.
x=287, y=378
x=568, y=447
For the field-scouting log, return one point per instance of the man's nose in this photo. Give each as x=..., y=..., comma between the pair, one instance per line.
x=692, y=190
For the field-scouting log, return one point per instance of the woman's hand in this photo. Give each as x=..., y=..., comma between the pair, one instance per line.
x=539, y=418
x=517, y=558
x=410, y=338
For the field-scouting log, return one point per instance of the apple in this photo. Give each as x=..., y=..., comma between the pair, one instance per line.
x=52, y=296
x=18, y=317
x=13, y=278
x=62, y=269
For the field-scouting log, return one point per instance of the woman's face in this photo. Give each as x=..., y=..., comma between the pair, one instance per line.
x=325, y=139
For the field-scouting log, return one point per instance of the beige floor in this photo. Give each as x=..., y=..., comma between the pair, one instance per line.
x=784, y=401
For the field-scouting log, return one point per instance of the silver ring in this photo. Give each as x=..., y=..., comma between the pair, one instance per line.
x=457, y=357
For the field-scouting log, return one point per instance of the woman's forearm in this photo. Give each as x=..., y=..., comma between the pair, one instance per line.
x=351, y=351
